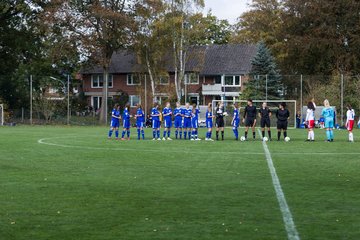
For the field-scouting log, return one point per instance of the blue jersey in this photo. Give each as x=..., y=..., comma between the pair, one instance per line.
x=126, y=115
x=140, y=115
x=195, y=115
x=236, y=115
x=167, y=111
x=187, y=113
x=155, y=111
x=328, y=113
x=115, y=113
x=178, y=113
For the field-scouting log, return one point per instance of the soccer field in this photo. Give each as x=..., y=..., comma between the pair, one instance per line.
x=74, y=183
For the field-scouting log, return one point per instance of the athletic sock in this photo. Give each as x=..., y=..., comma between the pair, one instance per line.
x=168, y=133
x=189, y=133
x=117, y=133
x=176, y=134
x=184, y=135
x=110, y=133
x=196, y=133
x=351, y=137
x=312, y=135
x=164, y=134
x=180, y=134
x=331, y=135
x=237, y=134
x=309, y=135
x=154, y=133
x=269, y=134
x=138, y=132
x=263, y=133
x=234, y=131
x=217, y=135
x=210, y=133
x=279, y=135
x=222, y=135
x=254, y=135
x=158, y=133
x=123, y=134
x=246, y=135
x=328, y=136
x=285, y=134
x=143, y=134
x=128, y=133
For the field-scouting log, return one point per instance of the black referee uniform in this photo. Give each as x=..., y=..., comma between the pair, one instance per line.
x=219, y=122
x=265, y=121
x=282, y=121
x=250, y=118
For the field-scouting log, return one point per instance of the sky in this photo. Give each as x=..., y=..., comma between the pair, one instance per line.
x=227, y=9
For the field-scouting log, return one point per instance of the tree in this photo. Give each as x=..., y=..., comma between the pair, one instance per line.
x=265, y=78
x=101, y=27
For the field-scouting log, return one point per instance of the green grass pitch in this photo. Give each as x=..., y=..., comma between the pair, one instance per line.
x=76, y=184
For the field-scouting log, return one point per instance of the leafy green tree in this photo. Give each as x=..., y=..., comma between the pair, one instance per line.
x=265, y=79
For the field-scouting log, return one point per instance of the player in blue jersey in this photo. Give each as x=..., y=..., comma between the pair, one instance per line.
x=328, y=113
x=126, y=122
x=167, y=114
x=115, y=122
x=187, y=120
x=195, y=123
x=140, y=119
x=236, y=121
x=155, y=115
x=209, y=122
x=178, y=120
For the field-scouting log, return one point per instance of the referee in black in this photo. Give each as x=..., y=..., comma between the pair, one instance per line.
x=282, y=115
x=220, y=120
x=250, y=118
x=265, y=114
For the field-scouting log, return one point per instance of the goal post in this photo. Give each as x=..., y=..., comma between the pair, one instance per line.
x=272, y=104
x=1, y=114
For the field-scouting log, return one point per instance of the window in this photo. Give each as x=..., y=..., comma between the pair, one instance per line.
x=164, y=80
x=217, y=80
x=133, y=79
x=192, y=78
x=97, y=81
x=96, y=102
x=134, y=100
x=232, y=81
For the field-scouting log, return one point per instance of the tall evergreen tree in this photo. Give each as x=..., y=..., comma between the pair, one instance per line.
x=265, y=78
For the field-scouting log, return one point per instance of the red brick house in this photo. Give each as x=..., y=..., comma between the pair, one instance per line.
x=220, y=74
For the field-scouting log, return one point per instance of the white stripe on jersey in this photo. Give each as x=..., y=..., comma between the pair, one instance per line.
x=350, y=114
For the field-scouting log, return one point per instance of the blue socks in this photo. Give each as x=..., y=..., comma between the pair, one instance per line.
x=168, y=133
x=236, y=133
x=138, y=132
x=176, y=134
x=158, y=133
x=143, y=134
x=110, y=133
x=123, y=134
x=117, y=133
x=154, y=133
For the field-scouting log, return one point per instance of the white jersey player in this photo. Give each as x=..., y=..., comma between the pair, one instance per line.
x=310, y=121
x=350, y=118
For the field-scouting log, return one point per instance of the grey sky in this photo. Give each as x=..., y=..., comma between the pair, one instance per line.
x=227, y=9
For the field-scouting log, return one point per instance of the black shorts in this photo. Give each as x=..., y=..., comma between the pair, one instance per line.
x=249, y=122
x=282, y=125
x=265, y=122
x=220, y=122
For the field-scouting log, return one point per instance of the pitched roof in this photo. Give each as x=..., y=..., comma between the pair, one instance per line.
x=228, y=59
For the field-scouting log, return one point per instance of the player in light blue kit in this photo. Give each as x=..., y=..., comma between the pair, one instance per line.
x=126, y=122
x=209, y=122
x=178, y=113
x=167, y=114
x=155, y=115
x=187, y=120
x=328, y=113
x=140, y=119
x=195, y=123
x=236, y=121
x=115, y=122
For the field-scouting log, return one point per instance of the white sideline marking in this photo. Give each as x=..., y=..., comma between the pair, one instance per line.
x=284, y=208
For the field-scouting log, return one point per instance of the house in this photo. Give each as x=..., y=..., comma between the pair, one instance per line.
x=212, y=73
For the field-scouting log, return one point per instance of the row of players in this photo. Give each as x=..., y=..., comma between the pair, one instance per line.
x=186, y=121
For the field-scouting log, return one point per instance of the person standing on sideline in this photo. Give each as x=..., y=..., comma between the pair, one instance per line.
x=282, y=115
x=250, y=118
x=329, y=114
x=209, y=122
x=115, y=122
x=220, y=120
x=310, y=121
x=350, y=119
x=140, y=119
x=265, y=114
x=167, y=114
x=298, y=119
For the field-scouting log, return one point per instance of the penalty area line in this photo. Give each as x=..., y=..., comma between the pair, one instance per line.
x=290, y=227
